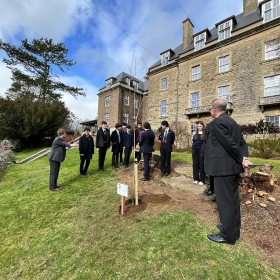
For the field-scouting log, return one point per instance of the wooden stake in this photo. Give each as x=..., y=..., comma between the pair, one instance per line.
x=123, y=204
x=136, y=183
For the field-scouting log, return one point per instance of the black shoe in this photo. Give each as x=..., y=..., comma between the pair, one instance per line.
x=143, y=179
x=213, y=199
x=58, y=188
x=208, y=192
x=218, y=238
x=166, y=174
x=221, y=228
x=125, y=166
x=162, y=174
x=86, y=174
x=121, y=163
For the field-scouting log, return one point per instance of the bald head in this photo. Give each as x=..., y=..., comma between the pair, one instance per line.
x=218, y=106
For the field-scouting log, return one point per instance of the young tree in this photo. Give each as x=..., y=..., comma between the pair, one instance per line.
x=38, y=59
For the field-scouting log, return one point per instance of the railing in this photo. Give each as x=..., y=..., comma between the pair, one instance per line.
x=197, y=110
x=267, y=100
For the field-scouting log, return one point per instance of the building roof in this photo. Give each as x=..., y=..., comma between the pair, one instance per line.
x=143, y=85
x=240, y=21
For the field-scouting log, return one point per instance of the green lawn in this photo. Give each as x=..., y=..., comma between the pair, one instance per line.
x=77, y=233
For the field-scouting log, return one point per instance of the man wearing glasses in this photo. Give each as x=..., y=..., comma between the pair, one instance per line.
x=225, y=156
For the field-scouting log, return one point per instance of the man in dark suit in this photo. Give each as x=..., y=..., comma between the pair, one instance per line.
x=146, y=144
x=226, y=153
x=167, y=138
x=122, y=131
x=102, y=144
x=117, y=145
x=86, y=148
x=56, y=156
x=127, y=145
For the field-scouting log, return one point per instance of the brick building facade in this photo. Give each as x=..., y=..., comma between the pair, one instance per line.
x=237, y=60
x=122, y=99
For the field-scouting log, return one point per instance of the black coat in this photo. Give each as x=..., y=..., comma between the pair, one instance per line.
x=103, y=139
x=127, y=140
x=86, y=146
x=170, y=138
x=147, y=141
x=225, y=147
x=116, y=145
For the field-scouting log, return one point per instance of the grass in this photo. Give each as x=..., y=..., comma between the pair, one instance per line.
x=77, y=233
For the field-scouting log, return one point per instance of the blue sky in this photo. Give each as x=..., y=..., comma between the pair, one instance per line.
x=100, y=49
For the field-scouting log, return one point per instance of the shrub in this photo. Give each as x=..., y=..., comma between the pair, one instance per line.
x=266, y=148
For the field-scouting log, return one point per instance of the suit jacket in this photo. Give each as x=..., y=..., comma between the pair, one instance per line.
x=116, y=145
x=86, y=146
x=103, y=139
x=127, y=140
x=146, y=142
x=225, y=147
x=170, y=138
x=58, y=152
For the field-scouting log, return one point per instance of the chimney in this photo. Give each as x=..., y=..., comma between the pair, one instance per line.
x=187, y=33
x=249, y=6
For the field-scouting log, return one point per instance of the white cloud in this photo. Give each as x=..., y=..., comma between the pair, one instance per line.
x=5, y=78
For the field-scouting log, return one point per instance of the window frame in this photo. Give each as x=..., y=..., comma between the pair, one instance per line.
x=270, y=10
x=272, y=47
x=163, y=108
x=126, y=100
x=195, y=103
x=199, y=41
x=221, y=95
x=192, y=127
x=224, y=29
x=107, y=117
x=164, y=84
x=135, y=103
x=107, y=101
x=274, y=85
x=224, y=66
x=125, y=117
x=194, y=74
x=268, y=119
x=165, y=57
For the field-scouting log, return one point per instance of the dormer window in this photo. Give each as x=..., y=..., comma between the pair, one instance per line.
x=224, y=30
x=135, y=85
x=271, y=10
x=127, y=81
x=199, y=41
x=165, y=58
x=109, y=83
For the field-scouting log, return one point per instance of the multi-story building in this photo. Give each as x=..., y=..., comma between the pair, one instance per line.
x=237, y=61
x=122, y=99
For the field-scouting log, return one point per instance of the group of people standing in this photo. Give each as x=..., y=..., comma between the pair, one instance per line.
x=218, y=150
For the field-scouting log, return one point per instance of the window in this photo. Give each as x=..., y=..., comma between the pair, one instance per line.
x=224, y=64
x=125, y=117
x=272, y=85
x=195, y=99
x=274, y=119
x=199, y=41
x=224, y=30
x=107, y=117
x=127, y=80
x=163, y=108
x=223, y=93
x=271, y=10
x=135, y=85
x=126, y=100
x=135, y=103
x=272, y=49
x=164, y=84
x=196, y=73
x=165, y=58
x=193, y=128
x=107, y=101
x=109, y=83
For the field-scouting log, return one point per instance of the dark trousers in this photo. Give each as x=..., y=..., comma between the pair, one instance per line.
x=121, y=154
x=115, y=159
x=101, y=158
x=198, y=166
x=227, y=198
x=137, y=156
x=127, y=153
x=83, y=166
x=165, y=157
x=211, y=183
x=146, y=157
x=54, y=171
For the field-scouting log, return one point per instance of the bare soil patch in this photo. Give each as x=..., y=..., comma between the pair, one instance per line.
x=260, y=226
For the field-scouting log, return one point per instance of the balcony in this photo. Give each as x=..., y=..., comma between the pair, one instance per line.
x=205, y=110
x=269, y=101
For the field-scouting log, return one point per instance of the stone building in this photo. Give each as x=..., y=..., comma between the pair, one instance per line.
x=237, y=60
x=122, y=99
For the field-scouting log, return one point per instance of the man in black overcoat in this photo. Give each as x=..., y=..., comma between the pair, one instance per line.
x=86, y=149
x=226, y=153
x=102, y=144
x=117, y=145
